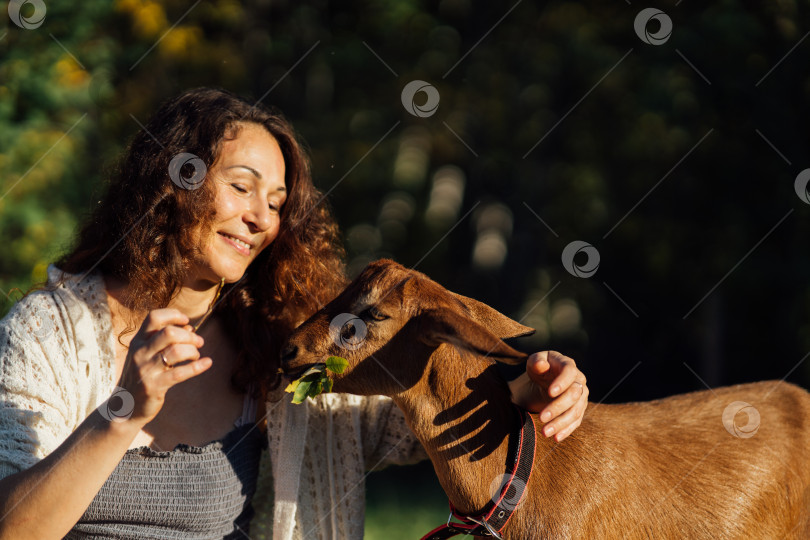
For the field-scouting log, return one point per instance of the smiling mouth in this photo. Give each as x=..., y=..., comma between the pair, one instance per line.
x=240, y=245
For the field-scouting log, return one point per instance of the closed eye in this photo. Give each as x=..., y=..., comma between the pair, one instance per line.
x=239, y=188
x=374, y=313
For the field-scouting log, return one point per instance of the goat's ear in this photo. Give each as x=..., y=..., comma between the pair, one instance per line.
x=497, y=323
x=437, y=326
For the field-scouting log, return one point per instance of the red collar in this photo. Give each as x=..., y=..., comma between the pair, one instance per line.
x=491, y=521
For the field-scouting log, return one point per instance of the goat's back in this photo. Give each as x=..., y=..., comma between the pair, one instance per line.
x=672, y=468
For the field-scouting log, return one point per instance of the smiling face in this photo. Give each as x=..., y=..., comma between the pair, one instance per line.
x=250, y=190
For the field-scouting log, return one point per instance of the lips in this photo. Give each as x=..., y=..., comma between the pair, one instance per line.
x=240, y=245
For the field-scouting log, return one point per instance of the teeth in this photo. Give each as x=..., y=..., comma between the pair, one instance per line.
x=238, y=242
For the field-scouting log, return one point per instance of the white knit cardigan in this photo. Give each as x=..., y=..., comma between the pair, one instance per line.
x=57, y=365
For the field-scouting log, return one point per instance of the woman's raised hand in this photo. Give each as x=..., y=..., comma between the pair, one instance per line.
x=69, y=477
x=555, y=388
x=164, y=352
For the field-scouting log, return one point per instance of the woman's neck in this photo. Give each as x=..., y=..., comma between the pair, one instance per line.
x=191, y=300
x=194, y=301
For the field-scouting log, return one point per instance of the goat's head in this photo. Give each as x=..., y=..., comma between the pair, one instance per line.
x=387, y=322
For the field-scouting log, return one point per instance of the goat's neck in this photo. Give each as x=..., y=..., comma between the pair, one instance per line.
x=462, y=413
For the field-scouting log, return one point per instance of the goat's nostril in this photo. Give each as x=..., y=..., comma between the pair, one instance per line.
x=288, y=354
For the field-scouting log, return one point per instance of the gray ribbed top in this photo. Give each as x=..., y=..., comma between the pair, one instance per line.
x=189, y=493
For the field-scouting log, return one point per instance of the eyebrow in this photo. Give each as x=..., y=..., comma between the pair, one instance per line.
x=255, y=173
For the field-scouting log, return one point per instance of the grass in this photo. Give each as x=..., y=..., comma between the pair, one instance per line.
x=403, y=503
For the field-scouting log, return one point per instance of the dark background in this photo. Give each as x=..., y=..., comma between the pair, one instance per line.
x=677, y=162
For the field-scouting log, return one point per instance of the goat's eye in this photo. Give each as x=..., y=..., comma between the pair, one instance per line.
x=376, y=314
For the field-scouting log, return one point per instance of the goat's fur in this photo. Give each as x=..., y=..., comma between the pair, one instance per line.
x=661, y=469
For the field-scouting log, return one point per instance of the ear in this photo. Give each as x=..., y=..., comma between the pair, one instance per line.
x=497, y=323
x=444, y=325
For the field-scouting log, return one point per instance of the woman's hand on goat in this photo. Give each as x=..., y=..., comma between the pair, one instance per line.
x=555, y=388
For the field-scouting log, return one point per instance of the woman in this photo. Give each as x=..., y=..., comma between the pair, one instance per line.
x=213, y=190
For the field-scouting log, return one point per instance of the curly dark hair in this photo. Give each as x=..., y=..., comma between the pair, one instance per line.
x=139, y=232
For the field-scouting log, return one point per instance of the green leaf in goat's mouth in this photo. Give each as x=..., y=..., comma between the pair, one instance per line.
x=315, y=380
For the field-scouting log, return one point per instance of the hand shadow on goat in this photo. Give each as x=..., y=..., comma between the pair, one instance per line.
x=491, y=425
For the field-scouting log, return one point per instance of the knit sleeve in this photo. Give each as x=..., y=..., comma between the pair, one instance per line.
x=34, y=354
x=389, y=440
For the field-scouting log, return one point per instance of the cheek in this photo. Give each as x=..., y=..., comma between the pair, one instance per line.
x=225, y=207
x=272, y=233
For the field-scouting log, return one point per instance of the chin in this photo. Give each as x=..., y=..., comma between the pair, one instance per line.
x=231, y=275
x=230, y=268
x=215, y=272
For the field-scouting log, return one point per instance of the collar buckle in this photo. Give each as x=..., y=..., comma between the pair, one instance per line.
x=483, y=523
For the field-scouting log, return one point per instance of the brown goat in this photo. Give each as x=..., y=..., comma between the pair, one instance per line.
x=671, y=468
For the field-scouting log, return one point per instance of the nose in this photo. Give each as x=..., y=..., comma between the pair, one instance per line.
x=288, y=354
x=259, y=216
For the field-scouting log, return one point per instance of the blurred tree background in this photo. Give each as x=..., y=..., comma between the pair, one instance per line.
x=677, y=162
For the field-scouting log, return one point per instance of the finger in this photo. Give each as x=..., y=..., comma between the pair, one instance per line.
x=169, y=336
x=560, y=423
x=562, y=403
x=179, y=352
x=544, y=366
x=538, y=368
x=567, y=374
x=567, y=431
x=538, y=362
x=178, y=374
x=581, y=408
x=565, y=423
x=160, y=318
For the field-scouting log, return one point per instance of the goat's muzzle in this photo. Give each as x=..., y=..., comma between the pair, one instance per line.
x=288, y=354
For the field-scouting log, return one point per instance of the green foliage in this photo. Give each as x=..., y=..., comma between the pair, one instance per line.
x=554, y=110
x=558, y=111
x=46, y=141
x=310, y=384
x=316, y=379
x=336, y=364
